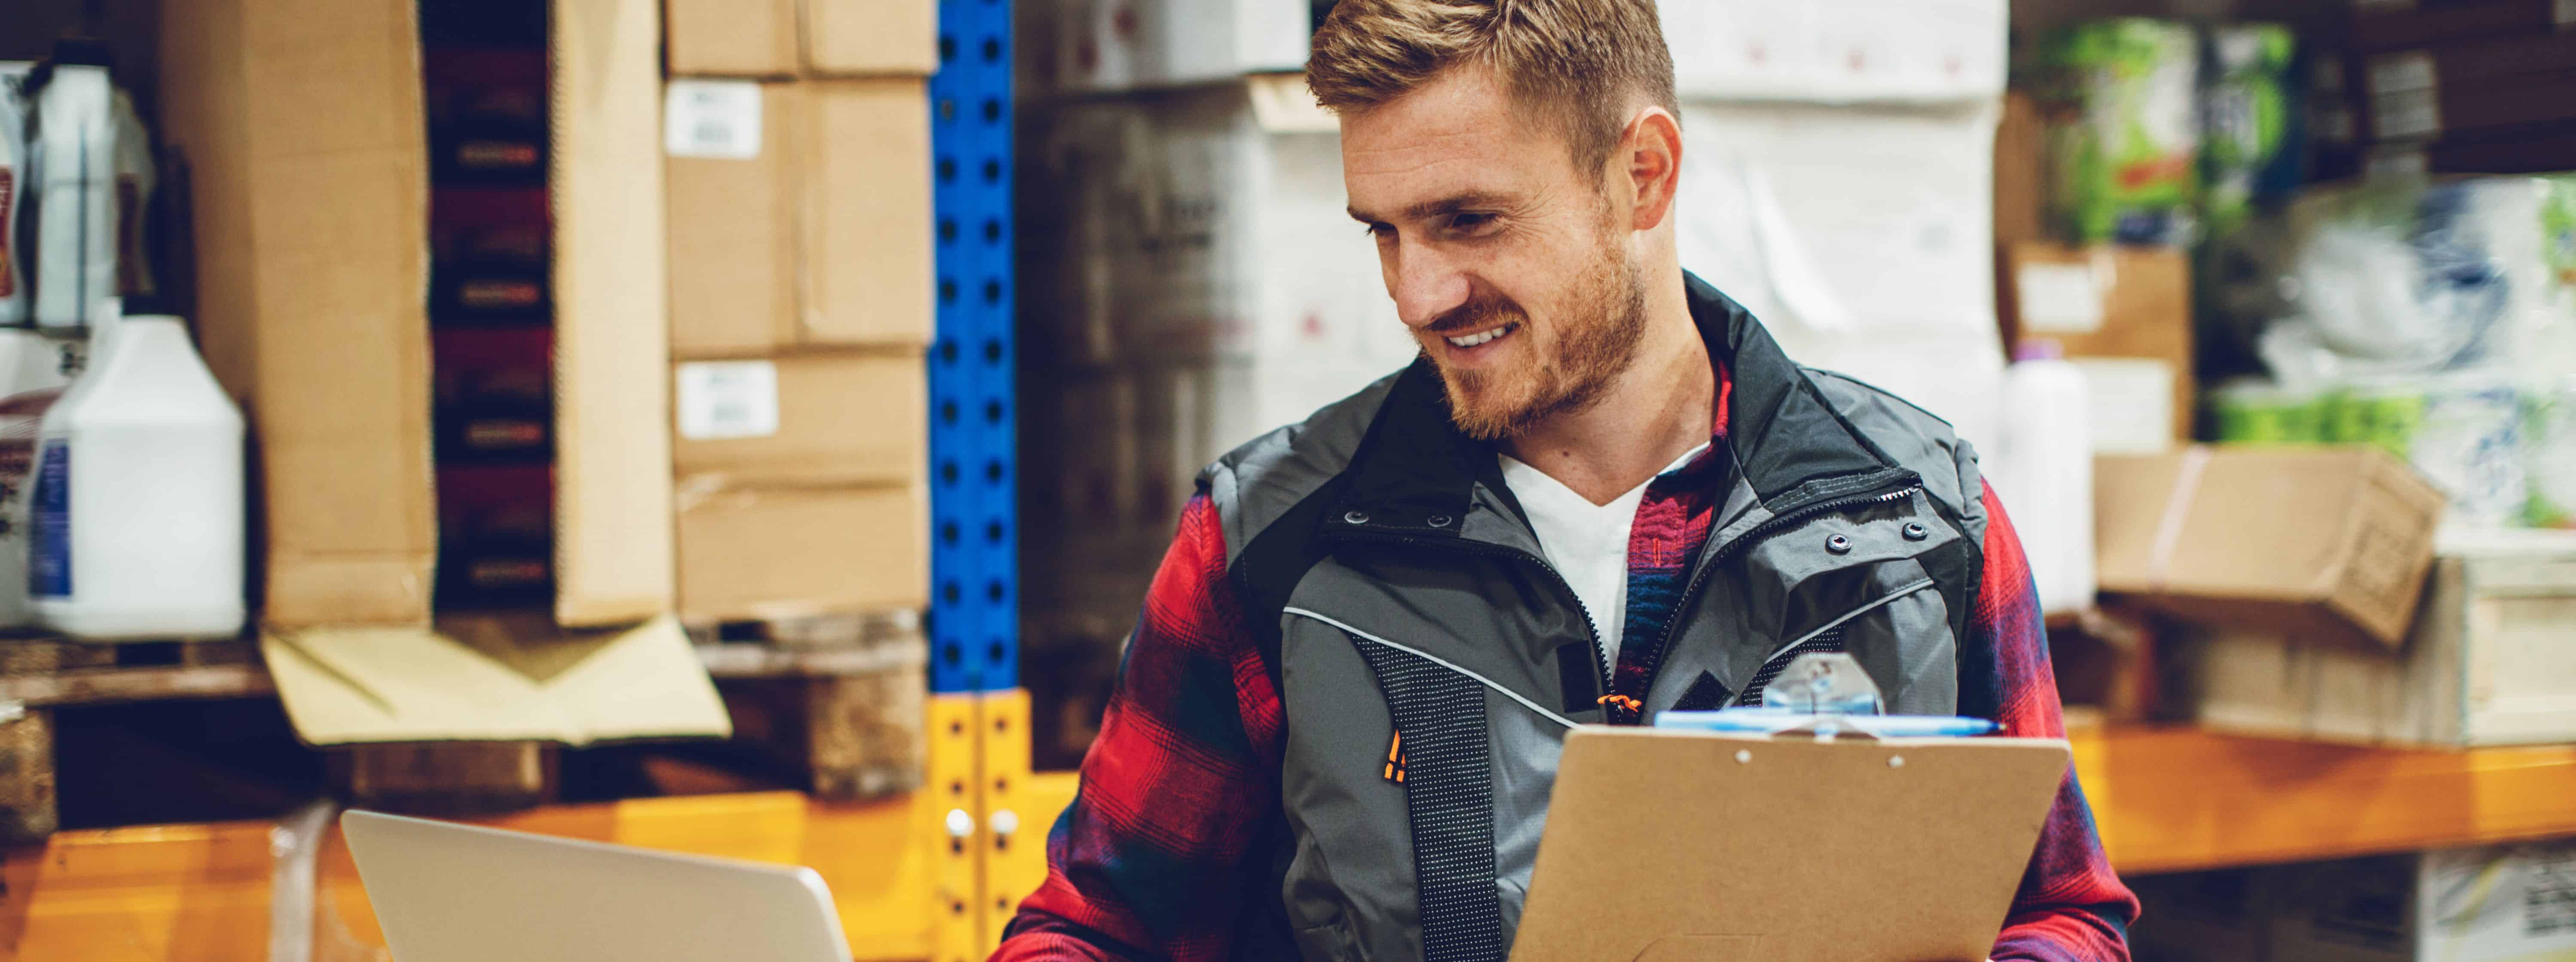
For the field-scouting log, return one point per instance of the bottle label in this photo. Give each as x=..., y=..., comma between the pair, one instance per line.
x=8, y=197
x=49, y=551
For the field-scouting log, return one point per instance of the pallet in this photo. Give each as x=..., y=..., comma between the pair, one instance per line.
x=830, y=705
x=39, y=675
x=839, y=699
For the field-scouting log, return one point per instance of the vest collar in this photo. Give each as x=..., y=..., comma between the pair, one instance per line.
x=1415, y=474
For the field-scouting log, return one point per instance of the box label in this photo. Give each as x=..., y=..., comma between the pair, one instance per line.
x=728, y=400
x=2412, y=70
x=715, y=119
x=2408, y=114
x=2059, y=299
x=49, y=552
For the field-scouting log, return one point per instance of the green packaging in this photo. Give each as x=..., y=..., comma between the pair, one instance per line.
x=2248, y=152
x=2261, y=412
x=2126, y=160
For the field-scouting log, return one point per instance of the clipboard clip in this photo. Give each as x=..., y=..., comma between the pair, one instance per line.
x=1827, y=696
x=1822, y=684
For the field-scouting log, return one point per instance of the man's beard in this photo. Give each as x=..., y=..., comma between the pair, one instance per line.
x=1596, y=332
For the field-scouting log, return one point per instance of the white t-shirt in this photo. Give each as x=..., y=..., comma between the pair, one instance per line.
x=1586, y=542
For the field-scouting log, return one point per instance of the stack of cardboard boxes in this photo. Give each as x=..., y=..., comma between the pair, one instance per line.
x=2474, y=86
x=797, y=138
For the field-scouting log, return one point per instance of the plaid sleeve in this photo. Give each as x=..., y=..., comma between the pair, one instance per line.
x=1179, y=789
x=2071, y=907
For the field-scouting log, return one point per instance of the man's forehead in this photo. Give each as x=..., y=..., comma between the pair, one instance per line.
x=1460, y=133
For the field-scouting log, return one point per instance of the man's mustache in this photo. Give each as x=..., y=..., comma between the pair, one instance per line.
x=1475, y=315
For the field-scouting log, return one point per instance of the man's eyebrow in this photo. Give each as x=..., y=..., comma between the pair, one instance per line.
x=1437, y=208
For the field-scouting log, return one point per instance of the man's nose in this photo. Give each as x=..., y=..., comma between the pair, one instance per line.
x=1427, y=286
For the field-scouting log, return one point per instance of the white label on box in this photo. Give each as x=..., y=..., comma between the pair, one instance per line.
x=717, y=119
x=2059, y=299
x=2412, y=70
x=727, y=400
x=2408, y=114
x=2566, y=13
x=2132, y=404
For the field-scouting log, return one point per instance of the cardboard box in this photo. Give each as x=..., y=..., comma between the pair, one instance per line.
x=2486, y=663
x=2380, y=25
x=801, y=420
x=789, y=38
x=310, y=174
x=1837, y=51
x=1114, y=45
x=1863, y=239
x=2123, y=314
x=2498, y=903
x=789, y=553
x=800, y=215
x=2320, y=544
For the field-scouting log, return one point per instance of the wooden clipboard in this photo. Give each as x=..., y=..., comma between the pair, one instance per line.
x=1665, y=846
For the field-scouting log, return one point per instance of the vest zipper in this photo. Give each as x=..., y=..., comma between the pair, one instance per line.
x=1760, y=533
x=1591, y=630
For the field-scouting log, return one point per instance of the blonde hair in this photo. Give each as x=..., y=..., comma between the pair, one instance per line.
x=1580, y=63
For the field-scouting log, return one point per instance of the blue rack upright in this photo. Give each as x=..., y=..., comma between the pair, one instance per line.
x=974, y=558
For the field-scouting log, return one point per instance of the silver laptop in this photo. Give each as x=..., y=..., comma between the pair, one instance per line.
x=459, y=893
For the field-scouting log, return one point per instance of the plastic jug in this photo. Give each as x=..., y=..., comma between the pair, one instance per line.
x=137, y=526
x=2043, y=471
x=34, y=369
x=72, y=184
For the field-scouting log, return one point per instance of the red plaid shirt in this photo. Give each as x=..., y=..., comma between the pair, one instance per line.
x=1155, y=857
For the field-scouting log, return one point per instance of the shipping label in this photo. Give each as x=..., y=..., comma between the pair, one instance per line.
x=714, y=119
x=727, y=400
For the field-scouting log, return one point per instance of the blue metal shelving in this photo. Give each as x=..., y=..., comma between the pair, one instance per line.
x=974, y=559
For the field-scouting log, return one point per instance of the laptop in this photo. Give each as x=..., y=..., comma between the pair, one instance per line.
x=445, y=892
x=1665, y=846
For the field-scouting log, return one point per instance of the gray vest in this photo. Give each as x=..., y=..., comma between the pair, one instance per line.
x=1396, y=589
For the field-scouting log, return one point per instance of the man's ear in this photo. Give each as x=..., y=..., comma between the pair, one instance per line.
x=1650, y=155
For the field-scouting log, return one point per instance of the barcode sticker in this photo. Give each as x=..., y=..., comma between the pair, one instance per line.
x=718, y=119
x=727, y=400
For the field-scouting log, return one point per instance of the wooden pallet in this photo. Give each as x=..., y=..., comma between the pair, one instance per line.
x=39, y=675
x=832, y=705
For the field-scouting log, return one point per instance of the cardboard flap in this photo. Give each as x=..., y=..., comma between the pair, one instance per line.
x=493, y=679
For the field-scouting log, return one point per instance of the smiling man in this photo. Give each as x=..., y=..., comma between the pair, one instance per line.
x=1601, y=493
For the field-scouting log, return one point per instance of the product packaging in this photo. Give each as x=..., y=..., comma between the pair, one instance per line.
x=13, y=186
x=72, y=192
x=2127, y=163
x=137, y=526
x=2251, y=122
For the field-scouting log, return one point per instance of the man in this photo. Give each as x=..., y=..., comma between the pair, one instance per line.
x=1602, y=493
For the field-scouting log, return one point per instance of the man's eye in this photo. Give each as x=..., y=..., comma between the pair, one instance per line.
x=1470, y=223
x=1377, y=230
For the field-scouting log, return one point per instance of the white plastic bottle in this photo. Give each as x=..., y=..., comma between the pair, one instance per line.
x=2043, y=471
x=72, y=184
x=138, y=517
x=34, y=369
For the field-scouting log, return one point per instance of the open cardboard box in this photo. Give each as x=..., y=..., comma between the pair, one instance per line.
x=303, y=123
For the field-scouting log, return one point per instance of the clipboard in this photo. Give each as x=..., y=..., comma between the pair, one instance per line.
x=1666, y=845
